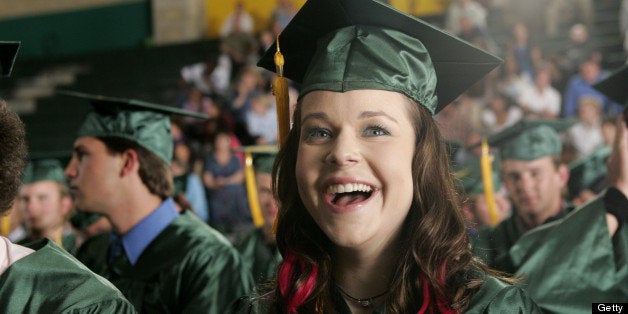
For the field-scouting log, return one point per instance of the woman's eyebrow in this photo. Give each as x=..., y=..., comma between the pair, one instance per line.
x=315, y=116
x=370, y=114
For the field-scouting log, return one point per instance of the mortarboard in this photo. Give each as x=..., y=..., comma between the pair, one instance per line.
x=45, y=166
x=615, y=86
x=531, y=139
x=342, y=45
x=470, y=177
x=144, y=123
x=588, y=171
x=8, y=53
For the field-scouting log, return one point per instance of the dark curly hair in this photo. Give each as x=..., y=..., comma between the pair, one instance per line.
x=13, y=153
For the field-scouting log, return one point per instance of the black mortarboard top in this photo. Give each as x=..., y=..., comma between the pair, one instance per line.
x=145, y=123
x=341, y=45
x=8, y=53
x=531, y=139
x=588, y=172
x=615, y=86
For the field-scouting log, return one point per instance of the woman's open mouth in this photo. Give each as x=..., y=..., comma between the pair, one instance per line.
x=349, y=193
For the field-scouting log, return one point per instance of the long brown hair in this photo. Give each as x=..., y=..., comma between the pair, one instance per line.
x=435, y=261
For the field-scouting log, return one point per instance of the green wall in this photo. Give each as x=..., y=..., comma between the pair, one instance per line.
x=81, y=31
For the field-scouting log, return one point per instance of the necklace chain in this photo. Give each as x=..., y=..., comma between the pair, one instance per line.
x=366, y=302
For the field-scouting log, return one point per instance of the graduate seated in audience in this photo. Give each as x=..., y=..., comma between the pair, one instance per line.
x=41, y=278
x=46, y=204
x=534, y=177
x=162, y=260
x=480, y=208
x=581, y=259
x=259, y=247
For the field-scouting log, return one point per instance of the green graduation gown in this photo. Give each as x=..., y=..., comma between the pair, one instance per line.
x=494, y=296
x=189, y=267
x=492, y=245
x=50, y=280
x=257, y=256
x=573, y=262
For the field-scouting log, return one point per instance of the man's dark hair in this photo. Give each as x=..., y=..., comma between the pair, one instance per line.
x=13, y=153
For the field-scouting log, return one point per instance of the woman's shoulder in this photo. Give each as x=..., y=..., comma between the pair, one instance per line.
x=497, y=296
x=256, y=304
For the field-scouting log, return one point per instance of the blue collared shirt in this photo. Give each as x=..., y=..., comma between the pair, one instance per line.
x=139, y=237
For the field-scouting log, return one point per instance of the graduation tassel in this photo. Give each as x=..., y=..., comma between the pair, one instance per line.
x=487, y=180
x=251, y=190
x=280, y=90
x=5, y=225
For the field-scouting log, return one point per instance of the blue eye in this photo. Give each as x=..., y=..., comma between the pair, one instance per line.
x=375, y=131
x=316, y=133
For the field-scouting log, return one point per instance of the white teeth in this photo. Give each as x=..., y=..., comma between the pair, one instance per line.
x=348, y=188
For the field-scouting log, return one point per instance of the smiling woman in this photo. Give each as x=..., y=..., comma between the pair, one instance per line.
x=369, y=220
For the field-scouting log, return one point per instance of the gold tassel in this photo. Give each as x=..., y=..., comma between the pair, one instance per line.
x=5, y=224
x=487, y=180
x=280, y=90
x=251, y=189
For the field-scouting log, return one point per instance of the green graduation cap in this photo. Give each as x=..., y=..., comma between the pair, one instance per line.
x=531, y=139
x=470, y=177
x=263, y=162
x=615, y=86
x=342, y=45
x=145, y=123
x=8, y=53
x=588, y=172
x=47, y=166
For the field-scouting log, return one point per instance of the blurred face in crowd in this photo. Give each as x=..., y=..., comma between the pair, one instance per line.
x=43, y=205
x=266, y=200
x=535, y=187
x=354, y=165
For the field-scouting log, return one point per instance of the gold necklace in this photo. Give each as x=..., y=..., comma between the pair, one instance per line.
x=366, y=302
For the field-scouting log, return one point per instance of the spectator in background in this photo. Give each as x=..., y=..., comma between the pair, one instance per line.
x=586, y=135
x=187, y=182
x=247, y=86
x=580, y=85
x=578, y=50
x=238, y=22
x=261, y=120
x=500, y=114
x=469, y=9
x=210, y=77
x=195, y=101
x=521, y=49
x=223, y=177
x=511, y=82
x=541, y=99
x=566, y=12
x=281, y=15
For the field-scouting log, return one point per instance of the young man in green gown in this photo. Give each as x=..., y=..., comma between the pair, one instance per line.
x=163, y=260
x=535, y=177
x=41, y=278
x=570, y=263
x=46, y=204
x=259, y=247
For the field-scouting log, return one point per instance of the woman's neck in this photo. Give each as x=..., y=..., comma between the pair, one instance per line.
x=363, y=274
